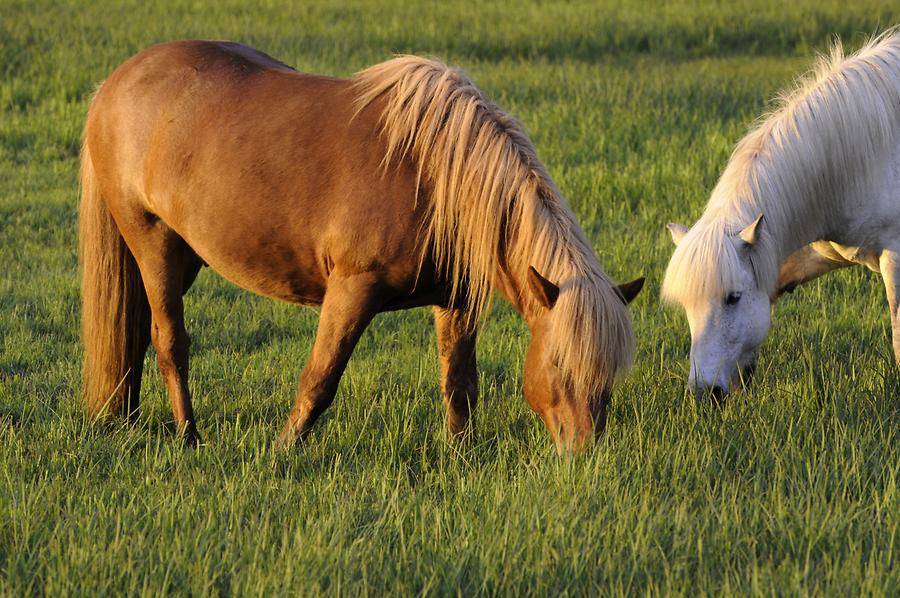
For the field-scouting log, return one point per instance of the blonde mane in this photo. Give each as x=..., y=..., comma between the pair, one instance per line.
x=823, y=147
x=493, y=205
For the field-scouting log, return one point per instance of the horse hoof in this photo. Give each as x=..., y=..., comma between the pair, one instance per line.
x=189, y=436
x=285, y=441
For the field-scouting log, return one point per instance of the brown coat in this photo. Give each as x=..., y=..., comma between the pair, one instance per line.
x=211, y=152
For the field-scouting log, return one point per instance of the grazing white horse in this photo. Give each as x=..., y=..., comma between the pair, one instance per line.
x=816, y=186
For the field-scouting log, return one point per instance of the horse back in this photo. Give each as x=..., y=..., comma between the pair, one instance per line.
x=270, y=175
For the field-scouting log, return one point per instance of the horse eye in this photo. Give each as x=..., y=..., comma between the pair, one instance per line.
x=732, y=298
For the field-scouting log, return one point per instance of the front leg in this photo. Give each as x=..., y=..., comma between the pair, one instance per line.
x=889, y=264
x=459, y=376
x=350, y=304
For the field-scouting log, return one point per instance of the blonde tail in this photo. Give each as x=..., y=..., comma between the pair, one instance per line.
x=115, y=312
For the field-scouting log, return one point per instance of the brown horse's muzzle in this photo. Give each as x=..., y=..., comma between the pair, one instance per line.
x=574, y=425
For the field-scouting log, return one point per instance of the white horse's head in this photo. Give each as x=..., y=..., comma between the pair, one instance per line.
x=712, y=275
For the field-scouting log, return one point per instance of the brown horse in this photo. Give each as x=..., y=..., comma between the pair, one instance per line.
x=401, y=187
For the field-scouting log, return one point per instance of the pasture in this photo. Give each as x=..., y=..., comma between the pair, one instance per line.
x=790, y=487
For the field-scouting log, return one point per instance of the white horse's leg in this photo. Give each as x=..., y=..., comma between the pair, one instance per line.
x=889, y=263
x=808, y=263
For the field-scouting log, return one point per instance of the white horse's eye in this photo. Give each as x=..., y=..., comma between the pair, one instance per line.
x=732, y=298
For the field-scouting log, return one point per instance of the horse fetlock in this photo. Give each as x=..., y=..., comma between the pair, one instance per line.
x=189, y=435
x=459, y=423
x=896, y=343
x=291, y=434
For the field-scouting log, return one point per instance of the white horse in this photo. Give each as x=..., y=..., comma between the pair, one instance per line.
x=816, y=186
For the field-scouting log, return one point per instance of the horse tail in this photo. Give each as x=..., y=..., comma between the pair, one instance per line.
x=115, y=311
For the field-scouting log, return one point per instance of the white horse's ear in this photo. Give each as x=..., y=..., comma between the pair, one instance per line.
x=751, y=232
x=678, y=231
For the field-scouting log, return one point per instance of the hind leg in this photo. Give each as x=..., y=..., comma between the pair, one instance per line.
x=350, y=304
x=168, y=267
x=132, y=404
x=459, y=376
x=165, y=288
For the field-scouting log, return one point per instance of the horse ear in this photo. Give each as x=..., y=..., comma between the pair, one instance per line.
x=629, y=290
x=751, y=232
x=545, y=291
x=678, y=231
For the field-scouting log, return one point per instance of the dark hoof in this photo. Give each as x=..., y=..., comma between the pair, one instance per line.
x=286, y=440
x=190, y=438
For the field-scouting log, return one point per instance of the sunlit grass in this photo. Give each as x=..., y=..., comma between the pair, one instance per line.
x=791, y=487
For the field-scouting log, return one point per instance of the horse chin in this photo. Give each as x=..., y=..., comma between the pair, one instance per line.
x=716, y=394
x=745, y=374
x=572, y=432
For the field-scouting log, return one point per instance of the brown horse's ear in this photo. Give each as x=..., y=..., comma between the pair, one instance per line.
x=629, y=290
x=545, y=291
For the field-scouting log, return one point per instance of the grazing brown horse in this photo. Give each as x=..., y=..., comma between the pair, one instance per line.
x=401, y=187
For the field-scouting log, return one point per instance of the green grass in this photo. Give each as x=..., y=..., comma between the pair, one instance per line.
x=791, y=487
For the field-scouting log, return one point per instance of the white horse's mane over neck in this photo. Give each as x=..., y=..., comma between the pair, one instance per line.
x=815, y=158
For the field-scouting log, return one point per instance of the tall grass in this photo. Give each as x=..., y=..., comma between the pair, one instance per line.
x=791, y=487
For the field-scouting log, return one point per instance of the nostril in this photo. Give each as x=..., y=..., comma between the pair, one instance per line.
x=718, y=393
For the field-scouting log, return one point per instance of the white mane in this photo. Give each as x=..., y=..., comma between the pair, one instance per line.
x=821, y=151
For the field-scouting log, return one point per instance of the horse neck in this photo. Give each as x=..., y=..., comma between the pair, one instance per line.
x=795, y=210
x=554, y=250
x=810, y=167
x=513, y=285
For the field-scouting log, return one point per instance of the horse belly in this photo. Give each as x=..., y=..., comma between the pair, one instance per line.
x=292, y=270
x=288, y=247
x=276, y=279
x=257, y=259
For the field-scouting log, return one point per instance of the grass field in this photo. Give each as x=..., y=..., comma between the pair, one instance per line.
x=791, y=487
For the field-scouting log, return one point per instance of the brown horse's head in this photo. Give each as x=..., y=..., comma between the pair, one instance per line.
x=573, y=411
